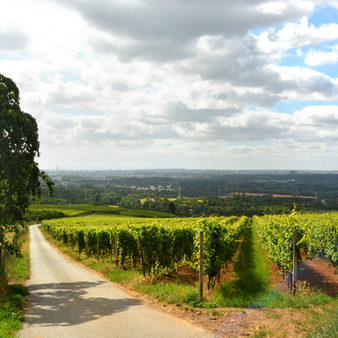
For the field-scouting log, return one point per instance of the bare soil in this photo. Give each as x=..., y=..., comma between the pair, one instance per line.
x=234, y=322
x=321, y=276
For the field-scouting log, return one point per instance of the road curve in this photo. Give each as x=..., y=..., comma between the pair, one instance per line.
x=67, y=300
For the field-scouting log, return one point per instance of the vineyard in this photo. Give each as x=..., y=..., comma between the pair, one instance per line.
x=159, y=244
x=38, y=212
x=315, y=235
x=163, y=244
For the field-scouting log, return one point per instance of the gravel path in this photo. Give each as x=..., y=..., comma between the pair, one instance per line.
x=67, y=300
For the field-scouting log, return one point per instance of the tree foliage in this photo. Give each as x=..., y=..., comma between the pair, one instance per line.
x=19, y=173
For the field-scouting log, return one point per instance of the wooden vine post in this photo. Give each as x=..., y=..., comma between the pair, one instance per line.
x=111, y=249
x=86, y=242
x=116, y=252
x=201, y=267
x=141, y=254
x=294, y=263
x=98, y=246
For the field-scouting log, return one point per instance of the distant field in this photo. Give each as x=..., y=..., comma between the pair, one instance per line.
x=142, y=200
x=88, y=209
x=102, y=221
x=273, y=195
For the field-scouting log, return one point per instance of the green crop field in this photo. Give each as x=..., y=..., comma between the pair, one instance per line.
x=39, y=212
x=76, y=209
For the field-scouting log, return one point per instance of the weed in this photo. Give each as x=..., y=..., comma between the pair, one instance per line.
x=325, y=324
x=262, y=333
x=297, y=322
x=273, y=315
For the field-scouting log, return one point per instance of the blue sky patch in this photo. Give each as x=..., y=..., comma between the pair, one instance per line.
x=291, y=106
x=324, y=15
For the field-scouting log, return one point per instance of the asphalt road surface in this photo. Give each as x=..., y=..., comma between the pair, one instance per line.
x=67, y=300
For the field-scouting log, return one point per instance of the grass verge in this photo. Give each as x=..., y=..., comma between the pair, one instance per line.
x=13, y=296
x=250, y=275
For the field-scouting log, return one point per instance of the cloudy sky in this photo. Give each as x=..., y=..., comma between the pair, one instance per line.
x=117, y=84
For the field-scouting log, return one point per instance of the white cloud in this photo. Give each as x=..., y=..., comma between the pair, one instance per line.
x=171, y=83
x=12, y=40
x=318, y=57
x=295, y=35
x=333, y=3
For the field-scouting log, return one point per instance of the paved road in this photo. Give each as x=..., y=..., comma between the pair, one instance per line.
x=70, y=301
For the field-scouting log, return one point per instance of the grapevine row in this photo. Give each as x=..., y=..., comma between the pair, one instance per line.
x=316, y=235
x=165, y=243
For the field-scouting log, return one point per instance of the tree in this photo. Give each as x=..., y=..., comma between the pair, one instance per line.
x=172, y=208
x=19, y=173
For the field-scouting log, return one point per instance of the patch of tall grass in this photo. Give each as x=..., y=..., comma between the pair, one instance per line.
x=250, y=275
x=13, y=296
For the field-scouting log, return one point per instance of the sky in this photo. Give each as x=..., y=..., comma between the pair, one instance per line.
x=196, y=84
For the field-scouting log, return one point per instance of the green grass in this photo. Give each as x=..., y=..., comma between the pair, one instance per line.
x=172, y=293
x=11, y=308
x=250, y=284
x=168, y=292
x=76, y=209
x=324, y=325
x=146, y=213
x=72, y=210
x=18, y=269
x=13, y=296
x=277, y=299
x=115, y=274
x=251, y=275
x=262, y=332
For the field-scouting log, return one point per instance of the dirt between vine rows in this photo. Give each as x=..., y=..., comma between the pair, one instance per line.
x=321, y=276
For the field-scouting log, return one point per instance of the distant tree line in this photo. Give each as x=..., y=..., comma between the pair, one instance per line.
x=203, y=194
x=239, y=205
